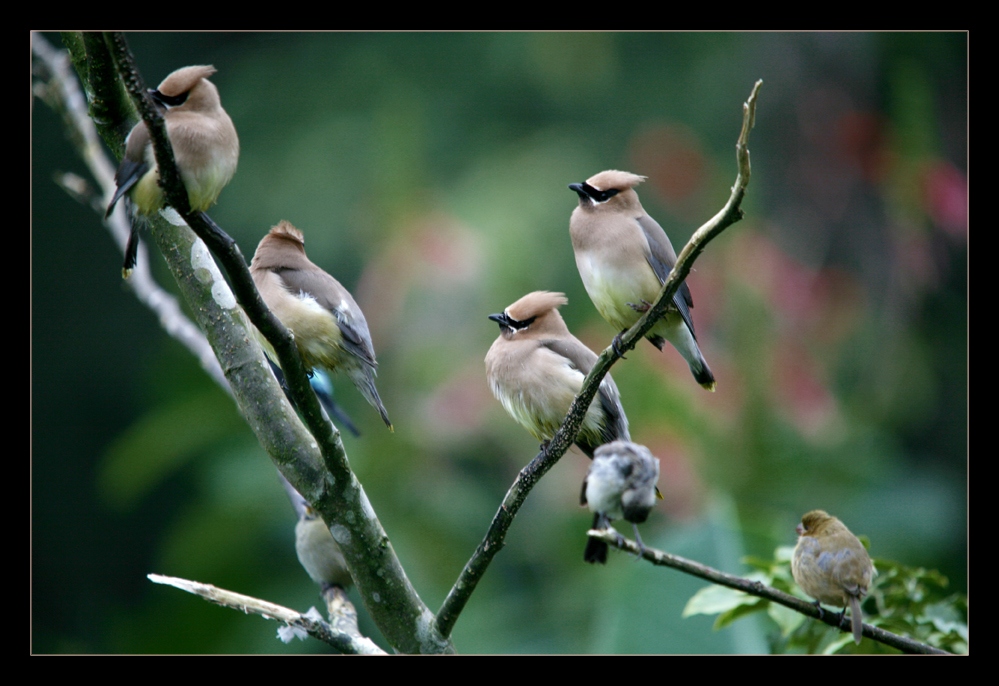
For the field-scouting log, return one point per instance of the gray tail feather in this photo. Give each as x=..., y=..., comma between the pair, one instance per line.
x=858, y=619
x=364, y=380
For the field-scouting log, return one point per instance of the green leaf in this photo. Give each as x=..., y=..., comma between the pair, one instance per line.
x=714, y=599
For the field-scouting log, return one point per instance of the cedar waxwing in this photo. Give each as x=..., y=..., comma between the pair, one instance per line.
x=831, y=565
x=204, y=142
x=319, y=553
x=624, y=257
x=621, y=483
x=536, y=368
x=329, y=327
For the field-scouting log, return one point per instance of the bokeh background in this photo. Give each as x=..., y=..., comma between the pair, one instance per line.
x=429, y=172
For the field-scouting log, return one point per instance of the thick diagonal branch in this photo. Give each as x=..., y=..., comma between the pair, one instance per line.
x=325, y=479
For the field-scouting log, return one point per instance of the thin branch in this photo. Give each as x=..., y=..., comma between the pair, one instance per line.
x=310, y=622
x=476, y=567
x=758, y=589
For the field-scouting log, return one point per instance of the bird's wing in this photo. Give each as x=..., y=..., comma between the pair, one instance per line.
x=133, y=164
x=583, y=359
x=662, y=258
x=335, y=299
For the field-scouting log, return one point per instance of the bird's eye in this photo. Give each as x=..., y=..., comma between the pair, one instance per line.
x=604, y=196
x=168, y=100
x=520, y=326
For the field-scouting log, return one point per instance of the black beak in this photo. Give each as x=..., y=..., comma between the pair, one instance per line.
x=580, y=189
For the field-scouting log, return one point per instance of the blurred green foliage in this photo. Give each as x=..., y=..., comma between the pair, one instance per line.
x=428, y=173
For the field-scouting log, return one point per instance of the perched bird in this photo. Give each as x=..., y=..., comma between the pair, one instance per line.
x=319, y=553
x=624, y=257
x=536, y=368
x=329, y=328
x=831, y=565
x=621, y=483
x=205, y=146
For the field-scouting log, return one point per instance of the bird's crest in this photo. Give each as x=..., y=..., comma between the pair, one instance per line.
x=184, y=79
x=612, y=178
x=536, y=304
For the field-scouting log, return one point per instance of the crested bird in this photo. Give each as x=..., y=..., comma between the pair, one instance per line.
x=329, y=327
x=624, y=257
x=204, y=142
x=536, y=367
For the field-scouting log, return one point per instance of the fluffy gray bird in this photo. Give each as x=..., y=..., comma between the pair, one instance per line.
x=329, y=328
x=621, y=483
x=624, y=257
x=205, y=146
x=536, y=367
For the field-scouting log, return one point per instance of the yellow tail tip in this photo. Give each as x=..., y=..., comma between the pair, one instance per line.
x=709, y=386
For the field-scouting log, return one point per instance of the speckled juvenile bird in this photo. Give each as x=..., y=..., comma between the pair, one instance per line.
x=831, y=565
x=205, y=147
x=319, y=553
x=329, y=328
x=624, y=257
x=536, y=367
x=621, y=483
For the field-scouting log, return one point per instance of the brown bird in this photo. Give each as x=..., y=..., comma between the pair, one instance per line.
x=624, y=257
x=329, y=327
x=536, y=367
x=621, y=483
x=205, y=146
x=831, y=565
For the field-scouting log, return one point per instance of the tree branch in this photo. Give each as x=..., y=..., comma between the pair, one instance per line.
x=476, y=567
x=758, y=589
x=323, y=476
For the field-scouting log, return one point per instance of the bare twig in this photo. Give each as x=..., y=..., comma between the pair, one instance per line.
x=345, y=642
x=476, y=567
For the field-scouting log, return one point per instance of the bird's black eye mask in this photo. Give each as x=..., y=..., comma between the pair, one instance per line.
x=585, y=190
x=168, y=100
x=506, y=322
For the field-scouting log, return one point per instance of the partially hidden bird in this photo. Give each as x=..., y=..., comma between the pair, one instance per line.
x=536, y=367
x=322, y=386
x=204, y=142
x=319, y=552
x=329, y=328
x=621, y=483
x=624, y=258
x=831, y=565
